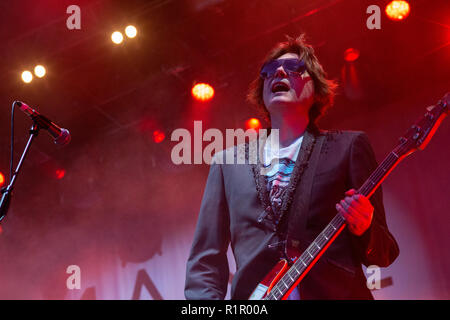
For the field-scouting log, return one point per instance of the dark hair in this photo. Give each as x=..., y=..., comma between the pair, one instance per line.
x=324, y=89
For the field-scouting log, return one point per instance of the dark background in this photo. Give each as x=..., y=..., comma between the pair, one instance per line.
x=123, y=211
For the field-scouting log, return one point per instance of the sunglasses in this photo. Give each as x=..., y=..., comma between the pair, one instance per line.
x=291, y=66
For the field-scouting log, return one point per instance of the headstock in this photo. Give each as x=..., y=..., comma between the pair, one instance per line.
x=418, y=136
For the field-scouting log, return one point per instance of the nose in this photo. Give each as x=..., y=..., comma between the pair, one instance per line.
x=280, y=72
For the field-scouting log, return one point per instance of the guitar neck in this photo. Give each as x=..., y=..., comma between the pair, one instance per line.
x=315, y=250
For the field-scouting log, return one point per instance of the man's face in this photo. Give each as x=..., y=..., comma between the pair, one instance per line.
x=287, y=89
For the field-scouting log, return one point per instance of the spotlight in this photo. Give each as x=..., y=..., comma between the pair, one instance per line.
x=351, y=54
x=158, y=136
x=202, y=92
x=131, y=31
x=60, y=173
x=117, y=37
x=27, y=76
x=253, y=123
x=2, y=179
x=39, y=71
x=397, y=10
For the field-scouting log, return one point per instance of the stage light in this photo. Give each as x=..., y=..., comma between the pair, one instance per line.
x=397, y=10
x=158, y=136
x=2, y=179
x=131, y=31
x=60, y=173
x=27, y=76
x=253, y=123
x=351, y=54
x=117, y=37
x=202, y=92
x=39, y=71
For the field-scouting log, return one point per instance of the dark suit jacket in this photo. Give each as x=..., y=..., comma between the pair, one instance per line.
x=231, y=206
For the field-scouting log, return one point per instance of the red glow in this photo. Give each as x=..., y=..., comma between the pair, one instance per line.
x=2, y=179
x=202, y=92
x=351, y=83
x=253, y=123
x=397, y=10
x=351, y=54
x=60, y=173
x=158, y=136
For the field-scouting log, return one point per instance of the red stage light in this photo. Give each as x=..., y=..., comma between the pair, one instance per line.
x=60, y=173
x=2, y=179
x=253, y=123
x=158, y=136
x=202, y=92
x=397, y=10
x=351, y=54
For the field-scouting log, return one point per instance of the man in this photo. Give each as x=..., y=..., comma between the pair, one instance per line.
x=315, y=175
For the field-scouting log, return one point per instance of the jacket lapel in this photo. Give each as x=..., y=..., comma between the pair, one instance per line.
x=298, y=213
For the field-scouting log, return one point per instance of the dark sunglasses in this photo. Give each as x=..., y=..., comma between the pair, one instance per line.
x=291, y=66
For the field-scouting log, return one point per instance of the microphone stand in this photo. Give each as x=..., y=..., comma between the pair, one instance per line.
x=6, y=191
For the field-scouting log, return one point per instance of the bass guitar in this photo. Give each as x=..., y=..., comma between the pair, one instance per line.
x=286, y=275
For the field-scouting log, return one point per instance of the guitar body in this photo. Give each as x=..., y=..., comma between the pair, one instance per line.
x=266, y=285
x=274, y=275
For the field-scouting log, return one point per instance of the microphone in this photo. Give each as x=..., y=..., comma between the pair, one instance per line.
x=61, y=135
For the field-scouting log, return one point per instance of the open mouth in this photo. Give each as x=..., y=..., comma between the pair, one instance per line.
x=280, y=87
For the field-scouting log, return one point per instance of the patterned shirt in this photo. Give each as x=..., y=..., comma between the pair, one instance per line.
x=280, y=163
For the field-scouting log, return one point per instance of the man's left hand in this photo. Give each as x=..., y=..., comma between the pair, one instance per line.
x=357, y=211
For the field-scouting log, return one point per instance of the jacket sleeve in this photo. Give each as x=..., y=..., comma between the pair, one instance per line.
x=376, y=246
x=207, y=270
